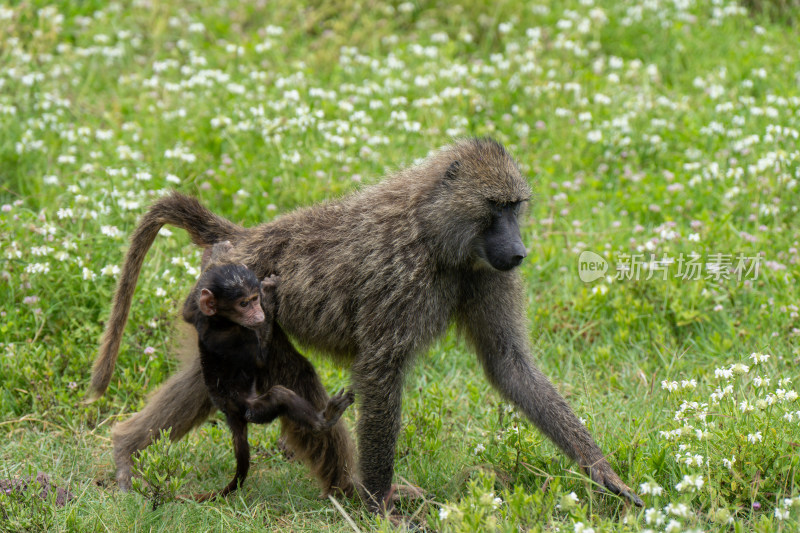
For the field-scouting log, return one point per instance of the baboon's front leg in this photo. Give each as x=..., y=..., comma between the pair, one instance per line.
x=497, y=329
x=379, y=387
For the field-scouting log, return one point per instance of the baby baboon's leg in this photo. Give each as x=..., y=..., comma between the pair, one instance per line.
x=181, y=404
x=280, y=401
x=336, y=407
x=241, y=449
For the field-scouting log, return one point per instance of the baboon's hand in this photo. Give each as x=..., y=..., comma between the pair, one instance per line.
x=269, y=283
x=337, y=405
x=602, y=474
x=253, y=404
x=268, y=287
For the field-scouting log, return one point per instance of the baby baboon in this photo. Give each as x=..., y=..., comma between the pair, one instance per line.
x=374, y=279
x=293, y=388
x=233, y=315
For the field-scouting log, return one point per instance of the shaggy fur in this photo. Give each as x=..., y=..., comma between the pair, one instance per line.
x=373, y=279
x=240, y=363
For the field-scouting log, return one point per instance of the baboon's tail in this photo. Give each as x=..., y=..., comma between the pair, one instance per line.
x=204, y=227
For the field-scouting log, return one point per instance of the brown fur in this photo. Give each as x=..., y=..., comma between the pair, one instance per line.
x=374, y=279
x=239, y=361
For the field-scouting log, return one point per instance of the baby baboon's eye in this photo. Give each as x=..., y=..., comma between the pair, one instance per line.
x=244, y=303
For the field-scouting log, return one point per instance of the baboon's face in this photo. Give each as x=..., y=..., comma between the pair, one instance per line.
x=501, y=243
x=474, y=211
x=246, y=311
x=231, y=291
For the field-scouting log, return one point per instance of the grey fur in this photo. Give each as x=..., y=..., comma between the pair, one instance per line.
x=374, y=278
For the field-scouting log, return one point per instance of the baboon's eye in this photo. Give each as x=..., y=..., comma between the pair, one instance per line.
x=496, y=207
x=499, y=208
x=244, y=303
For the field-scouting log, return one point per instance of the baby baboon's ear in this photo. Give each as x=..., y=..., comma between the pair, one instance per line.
x=207, y=303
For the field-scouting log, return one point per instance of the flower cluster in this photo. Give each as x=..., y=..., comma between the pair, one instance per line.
x=744, y=424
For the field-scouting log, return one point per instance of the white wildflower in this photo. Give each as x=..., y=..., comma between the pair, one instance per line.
x=723, y=373
x=38, y=268
x=654, y=516
x=110, y=270
x=691, y=483
x=111, y=231
x=678, y=509
x=651, y=487
x=740, y=369
x=567, y=501
x=670, y=386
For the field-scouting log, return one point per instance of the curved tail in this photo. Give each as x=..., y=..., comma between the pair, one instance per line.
x=204, y=227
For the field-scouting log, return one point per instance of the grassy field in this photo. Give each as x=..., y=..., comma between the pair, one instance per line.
x=661, y=136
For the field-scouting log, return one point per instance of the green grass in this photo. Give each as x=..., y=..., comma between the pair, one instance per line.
x=666, y=128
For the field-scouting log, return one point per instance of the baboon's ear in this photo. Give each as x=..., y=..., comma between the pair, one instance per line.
x=207, y=254
x=452, y=171
x=207, y=303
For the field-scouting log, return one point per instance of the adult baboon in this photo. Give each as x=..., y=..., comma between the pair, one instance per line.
x=373, y=279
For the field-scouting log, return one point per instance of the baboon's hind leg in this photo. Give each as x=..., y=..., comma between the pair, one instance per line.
x=180, y=404
x=329, y=453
